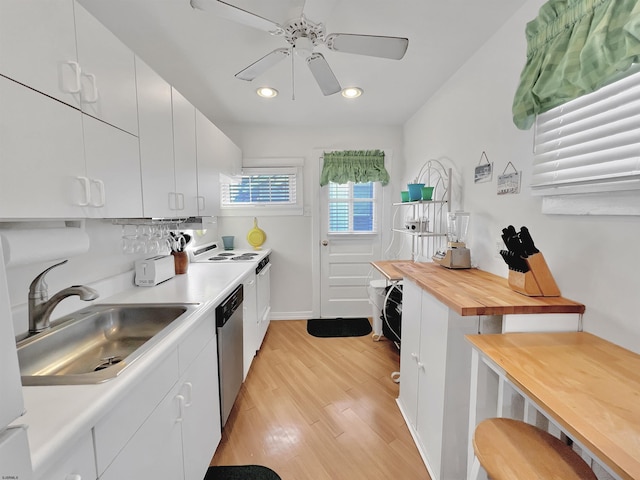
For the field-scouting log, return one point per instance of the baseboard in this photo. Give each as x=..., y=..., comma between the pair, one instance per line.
x=304, y=315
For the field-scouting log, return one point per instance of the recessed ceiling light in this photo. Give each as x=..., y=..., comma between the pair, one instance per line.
x=351, y=92
x=267, y=92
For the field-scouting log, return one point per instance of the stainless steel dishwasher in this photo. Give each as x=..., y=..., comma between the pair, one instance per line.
x=229, y=333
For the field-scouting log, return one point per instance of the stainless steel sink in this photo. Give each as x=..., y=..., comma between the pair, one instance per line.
x=95, y=344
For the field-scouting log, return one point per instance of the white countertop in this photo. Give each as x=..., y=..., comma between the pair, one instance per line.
x=58, y=415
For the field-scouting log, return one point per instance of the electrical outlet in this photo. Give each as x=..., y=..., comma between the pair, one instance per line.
x=499, y=246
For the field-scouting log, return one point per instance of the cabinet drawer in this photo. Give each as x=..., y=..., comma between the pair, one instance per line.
x=193, y=344
x=78, y=460
x=118, y=426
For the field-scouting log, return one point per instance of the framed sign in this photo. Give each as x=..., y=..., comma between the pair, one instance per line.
x=509, y=182
x=484, y=170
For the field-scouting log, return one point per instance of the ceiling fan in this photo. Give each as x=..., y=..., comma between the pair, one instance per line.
x=303, y=36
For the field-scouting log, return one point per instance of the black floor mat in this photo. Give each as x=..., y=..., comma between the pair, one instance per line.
x=241, y=472
x=338, y=327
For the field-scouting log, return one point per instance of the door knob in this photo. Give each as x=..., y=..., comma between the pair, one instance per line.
x=325, y=243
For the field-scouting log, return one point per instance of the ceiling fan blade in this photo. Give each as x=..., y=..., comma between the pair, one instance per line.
x=238, y=15
x=318, y=10
x=321, y=71
x=262, y=65
x=372, y=45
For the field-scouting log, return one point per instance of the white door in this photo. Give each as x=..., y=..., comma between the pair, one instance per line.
x=350, y=240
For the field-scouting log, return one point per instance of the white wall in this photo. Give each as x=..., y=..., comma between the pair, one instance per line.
x=291, y=237
x=593, y=259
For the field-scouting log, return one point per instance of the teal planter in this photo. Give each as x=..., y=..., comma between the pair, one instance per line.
x=415, y=191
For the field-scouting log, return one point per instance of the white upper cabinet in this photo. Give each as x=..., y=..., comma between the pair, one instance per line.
x=41, y=155
x=56, y=47
x=156, y=142
x=208, y=136
x=38, y=47
x=184, y=151
x=216, y=154
x=113, y=168
x=167, y=147
x=107, y=74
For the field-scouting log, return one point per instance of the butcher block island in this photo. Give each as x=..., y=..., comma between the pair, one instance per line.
x=439, y=307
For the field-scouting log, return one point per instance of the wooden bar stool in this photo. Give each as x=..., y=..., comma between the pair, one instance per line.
x=510, y=449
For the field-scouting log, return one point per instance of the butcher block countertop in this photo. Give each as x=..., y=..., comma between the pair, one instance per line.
x=472, y=291
x=590, y=386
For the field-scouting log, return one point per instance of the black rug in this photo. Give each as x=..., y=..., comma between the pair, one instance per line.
x=241, y=472
x=338, y=327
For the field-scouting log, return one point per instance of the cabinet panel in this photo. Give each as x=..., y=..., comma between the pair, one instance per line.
x=191, y=346
x=117, y=427
x=410, y=351
x=250, y=321
x=41, y=155
x=156, y=141
x=45, y=34
x=155, y=451
x=108, y=73
x=184, y=148
x=207, y=143
x=79, y=463
x=113, y=167
x=201, y=430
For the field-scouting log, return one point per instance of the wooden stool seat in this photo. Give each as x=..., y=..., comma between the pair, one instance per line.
x=510, y=449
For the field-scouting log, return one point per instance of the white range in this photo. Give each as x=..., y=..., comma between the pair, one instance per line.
x=257, y=289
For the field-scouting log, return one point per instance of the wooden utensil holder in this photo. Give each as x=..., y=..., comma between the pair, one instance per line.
x=537, y=282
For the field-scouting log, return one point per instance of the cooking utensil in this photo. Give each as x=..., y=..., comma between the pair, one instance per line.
x=256, y=236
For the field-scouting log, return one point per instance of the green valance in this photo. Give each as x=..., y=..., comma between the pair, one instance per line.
x=573, y=48
x=359, y=166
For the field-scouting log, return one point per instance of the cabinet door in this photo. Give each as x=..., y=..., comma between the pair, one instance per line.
x=410, y=351
x=201, y=431
x=249, y=322
x=77, y=462
x=113, y=167
x=38, y=47
x=155, y=451
x=108, y=73
x=230, y=156
x=41, y=155
x=184, y=148
x=156, y=141
x=207, y=145
x=434, y=335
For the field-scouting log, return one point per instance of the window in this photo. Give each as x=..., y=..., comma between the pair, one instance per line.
x=273, y=188
x=590, y=146
x=352, y=208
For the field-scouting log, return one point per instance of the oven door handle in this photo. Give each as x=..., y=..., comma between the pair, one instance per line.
x=264, y=271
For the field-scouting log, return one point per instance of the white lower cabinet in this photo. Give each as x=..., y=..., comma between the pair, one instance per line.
x=177, y=437
x=435, y=364
x=78, y=465
x=249, y=321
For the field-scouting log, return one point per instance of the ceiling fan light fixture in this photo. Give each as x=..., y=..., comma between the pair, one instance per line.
x=267, y=92
x=351, y=92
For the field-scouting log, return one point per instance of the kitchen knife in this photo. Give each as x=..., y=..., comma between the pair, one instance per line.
x=527, y=242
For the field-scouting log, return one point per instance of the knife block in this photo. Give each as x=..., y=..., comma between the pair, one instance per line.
x=537, y=282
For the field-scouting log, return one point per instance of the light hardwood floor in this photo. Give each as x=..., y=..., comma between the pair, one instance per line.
x=321, y=409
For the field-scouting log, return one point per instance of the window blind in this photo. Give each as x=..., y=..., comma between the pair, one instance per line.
x=352, y=208
x=258, y=186
x=590, y=144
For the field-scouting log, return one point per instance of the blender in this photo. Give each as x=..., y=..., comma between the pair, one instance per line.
x=456, y=255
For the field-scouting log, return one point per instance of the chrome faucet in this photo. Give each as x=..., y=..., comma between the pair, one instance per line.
x=40, y=306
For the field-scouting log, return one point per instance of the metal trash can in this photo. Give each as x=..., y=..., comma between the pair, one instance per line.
x=376, y=299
